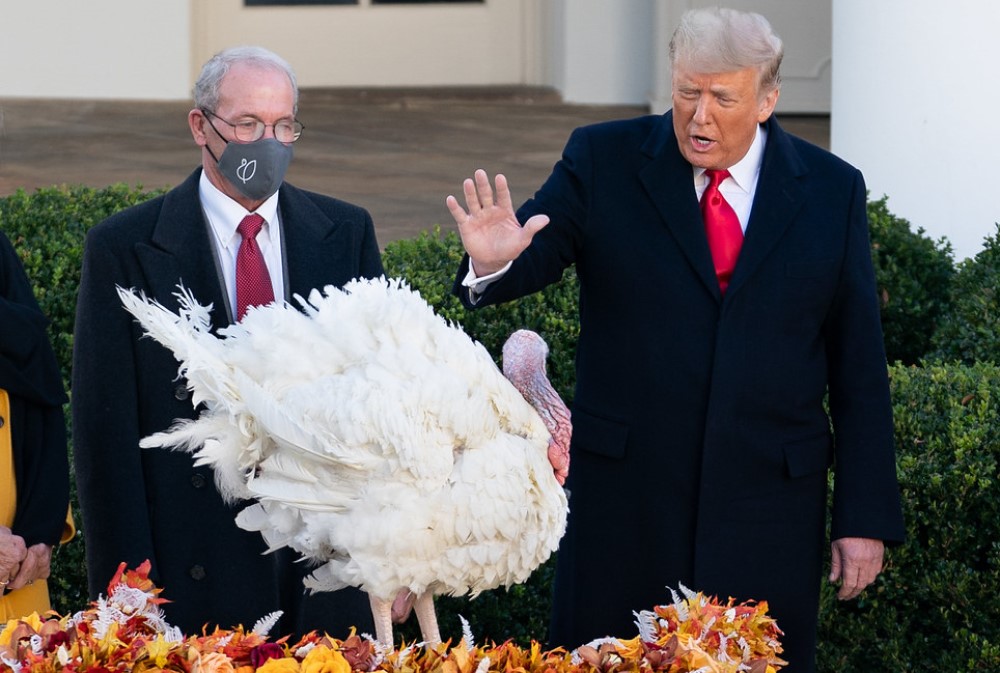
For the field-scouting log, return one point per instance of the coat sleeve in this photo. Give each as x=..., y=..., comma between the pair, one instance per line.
x=105, y=419
x=866, y=500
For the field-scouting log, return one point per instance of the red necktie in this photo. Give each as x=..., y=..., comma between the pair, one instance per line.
x=725, y=235
x=253, y=282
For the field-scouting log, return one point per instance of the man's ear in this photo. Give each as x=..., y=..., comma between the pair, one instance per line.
x=767, y=105
x=197, y=123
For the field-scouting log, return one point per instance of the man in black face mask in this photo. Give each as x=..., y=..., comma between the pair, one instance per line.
x=237, y=236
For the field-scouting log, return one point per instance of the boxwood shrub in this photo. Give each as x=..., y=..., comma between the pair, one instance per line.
x=913, y=274
x=970, y=330
x=937, y=605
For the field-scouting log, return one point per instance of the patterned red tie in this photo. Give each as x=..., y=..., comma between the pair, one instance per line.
x=253, y=282
x=725, y=235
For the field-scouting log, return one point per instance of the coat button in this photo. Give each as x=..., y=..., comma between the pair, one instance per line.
x=197, y=572
x=198, y=481
x=2, y=421
x=181, y=392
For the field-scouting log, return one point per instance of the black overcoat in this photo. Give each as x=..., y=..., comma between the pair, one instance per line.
x=30, y=374
x=154, y=503
x=701, y=444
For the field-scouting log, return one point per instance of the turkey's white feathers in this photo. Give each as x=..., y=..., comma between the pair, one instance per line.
x=376, y=439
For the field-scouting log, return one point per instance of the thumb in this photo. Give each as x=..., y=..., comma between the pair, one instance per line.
x=835, y=563
x=535, y=224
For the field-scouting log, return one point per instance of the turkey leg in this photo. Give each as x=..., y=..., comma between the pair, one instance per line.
x=382, y=616
x=427, y=618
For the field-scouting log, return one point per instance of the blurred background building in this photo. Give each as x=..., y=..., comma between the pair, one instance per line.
x=910, y=100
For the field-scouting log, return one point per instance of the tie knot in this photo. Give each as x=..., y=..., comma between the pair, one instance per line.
x=716, y=176
x=250, y=226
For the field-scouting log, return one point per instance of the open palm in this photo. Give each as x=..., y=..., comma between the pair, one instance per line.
x=490, y=232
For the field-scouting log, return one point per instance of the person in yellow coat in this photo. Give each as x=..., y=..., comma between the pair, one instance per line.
x=34, y=467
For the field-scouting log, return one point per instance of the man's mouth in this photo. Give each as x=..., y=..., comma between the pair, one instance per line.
x=702, y=141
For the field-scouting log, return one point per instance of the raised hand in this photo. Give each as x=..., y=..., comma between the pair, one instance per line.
x=489, y=229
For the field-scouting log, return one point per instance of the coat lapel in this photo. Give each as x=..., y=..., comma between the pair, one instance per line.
x=311, y=239
x=180, y=253
x=669, y=182
x=778, y=199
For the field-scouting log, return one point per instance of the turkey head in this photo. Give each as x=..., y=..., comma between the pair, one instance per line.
x=524, y=355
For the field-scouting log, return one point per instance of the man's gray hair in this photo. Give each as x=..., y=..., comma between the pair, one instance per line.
x=206, y=89
x=716, y=39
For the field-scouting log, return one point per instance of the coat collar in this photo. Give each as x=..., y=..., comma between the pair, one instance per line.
x=667, y=179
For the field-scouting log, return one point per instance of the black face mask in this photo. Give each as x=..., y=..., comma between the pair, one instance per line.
x=256, y=169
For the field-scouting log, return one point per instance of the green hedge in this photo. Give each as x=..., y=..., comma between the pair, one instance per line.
x=913, y=274
x=970, y=331
x=47, y=229
x=937, y=607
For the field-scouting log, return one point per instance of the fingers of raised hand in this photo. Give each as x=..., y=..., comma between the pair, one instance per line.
x=457, y=212
x=503, y=198
x=471, y=197
x=480, y=200
x=484, y=190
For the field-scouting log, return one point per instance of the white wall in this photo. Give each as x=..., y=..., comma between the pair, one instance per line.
x=602, y=51
x=136, y=49
x=153, y=49
x=915, y=107
x=362, y=45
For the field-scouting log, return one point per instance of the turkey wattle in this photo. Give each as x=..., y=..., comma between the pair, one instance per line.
x=376, y=440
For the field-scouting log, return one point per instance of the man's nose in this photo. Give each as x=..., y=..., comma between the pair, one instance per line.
x=703, y=110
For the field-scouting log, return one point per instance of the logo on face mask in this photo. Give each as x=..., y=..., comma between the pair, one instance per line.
x=246, y=170
x=256, y=169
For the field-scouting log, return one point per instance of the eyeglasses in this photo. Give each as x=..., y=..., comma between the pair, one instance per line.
x=249, y=130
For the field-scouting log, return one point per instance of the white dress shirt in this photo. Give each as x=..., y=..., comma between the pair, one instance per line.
x=224, y=216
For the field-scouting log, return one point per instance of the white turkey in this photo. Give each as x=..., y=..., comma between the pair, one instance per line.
x=376, y=439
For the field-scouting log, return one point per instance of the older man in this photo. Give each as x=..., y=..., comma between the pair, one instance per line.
x=237, y=236
x=726, y=288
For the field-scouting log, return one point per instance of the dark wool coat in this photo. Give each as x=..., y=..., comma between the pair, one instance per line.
x=700, y=440
x=30, y=374
x=155, y=503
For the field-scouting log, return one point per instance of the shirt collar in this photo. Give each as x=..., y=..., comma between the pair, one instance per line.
x=224, y=215
x=745, y=171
